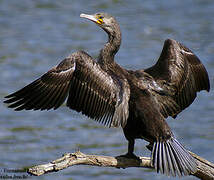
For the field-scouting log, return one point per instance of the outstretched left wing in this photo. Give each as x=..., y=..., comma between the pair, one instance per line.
x=89, y=89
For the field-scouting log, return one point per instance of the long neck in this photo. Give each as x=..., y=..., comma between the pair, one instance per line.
x=107, y=54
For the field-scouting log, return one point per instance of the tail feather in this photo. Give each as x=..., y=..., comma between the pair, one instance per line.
x=171, y=158
x=170, y=162
x=180, y=160
x=190, y=158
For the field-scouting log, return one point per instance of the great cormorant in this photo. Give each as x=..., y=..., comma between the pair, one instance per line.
x=138, y=101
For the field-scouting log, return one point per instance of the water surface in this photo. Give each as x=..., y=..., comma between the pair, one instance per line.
x=36, y=35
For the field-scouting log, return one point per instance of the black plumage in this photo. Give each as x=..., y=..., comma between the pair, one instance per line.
x=138, y=101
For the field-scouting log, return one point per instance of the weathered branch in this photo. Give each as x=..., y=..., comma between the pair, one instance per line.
x=205, y=168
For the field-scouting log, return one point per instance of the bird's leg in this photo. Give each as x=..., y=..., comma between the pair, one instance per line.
x=130, y=153
x=131, y=147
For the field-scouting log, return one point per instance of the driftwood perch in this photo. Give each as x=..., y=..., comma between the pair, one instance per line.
x=205, y=168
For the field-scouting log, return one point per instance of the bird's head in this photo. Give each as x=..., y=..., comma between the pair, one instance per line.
x=104, y=20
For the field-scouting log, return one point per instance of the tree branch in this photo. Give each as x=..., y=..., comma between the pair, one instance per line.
x=205, y=168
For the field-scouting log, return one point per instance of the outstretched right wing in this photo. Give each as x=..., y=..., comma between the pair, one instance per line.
x=89, y=88
x=181, y=71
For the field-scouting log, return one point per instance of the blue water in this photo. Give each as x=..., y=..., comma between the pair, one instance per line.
x=36, y=35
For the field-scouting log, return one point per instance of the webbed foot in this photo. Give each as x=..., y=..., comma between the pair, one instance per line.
x=130, y=156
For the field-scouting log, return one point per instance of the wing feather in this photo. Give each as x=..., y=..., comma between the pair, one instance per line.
x=89, y=89
x=180, y=72
x=99, y=95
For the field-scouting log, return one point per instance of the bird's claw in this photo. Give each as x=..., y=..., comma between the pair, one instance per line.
x=129, y=155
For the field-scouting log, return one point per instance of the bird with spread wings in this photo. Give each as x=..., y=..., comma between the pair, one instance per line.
x=138, y=101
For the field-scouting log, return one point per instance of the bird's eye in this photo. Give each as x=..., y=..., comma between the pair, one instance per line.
x=99, y=16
